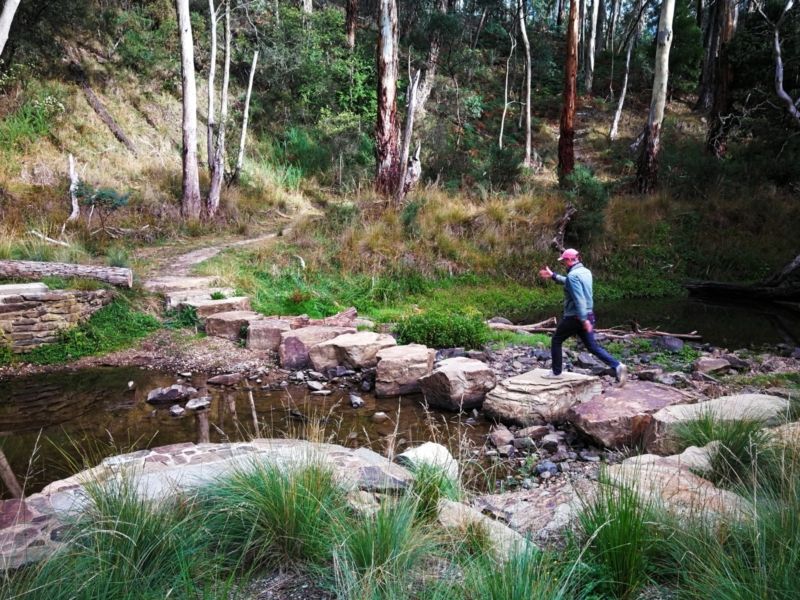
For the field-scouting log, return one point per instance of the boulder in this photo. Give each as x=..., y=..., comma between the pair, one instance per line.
x=199, y=403
x=265, y=334
x=431, y=454
x=771, y=410
x=207, y=307
x=531, y=399
x=461, y=519
x=178, y=297
x=295, y=344
x=355, y=350
x=710, y=364
x=400, y=369
x=230, y=325
x=621, y=416
x=225, y=379
x=501, y=436
x=669, y=343
x=458, y=384
x=670, y=482
x=173, y=393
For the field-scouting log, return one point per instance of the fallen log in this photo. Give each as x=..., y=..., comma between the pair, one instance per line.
x=548, y=326
x=27, y=269
x=532, y=328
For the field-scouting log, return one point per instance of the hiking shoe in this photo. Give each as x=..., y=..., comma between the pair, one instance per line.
x=622, y=374
x=552, y=375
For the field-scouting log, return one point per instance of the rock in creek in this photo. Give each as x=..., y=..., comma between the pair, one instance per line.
x=173, y=393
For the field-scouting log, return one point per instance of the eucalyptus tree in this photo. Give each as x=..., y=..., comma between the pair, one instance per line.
x=647, y=169
x=190, y=199
x=566, y=138
x=6, y=17
x=387, y=151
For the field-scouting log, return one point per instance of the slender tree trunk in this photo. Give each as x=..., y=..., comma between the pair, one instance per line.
x=630, y=42
x=481, y=23
x=218, y=168
x=647, y=171
x=212, y=73
x=716, y=142
x=581, y=32
x=612, y=25
x=791, y=105
x=531, y=159
x=428, y=77
x=73, y=191
x=351, y=23
x=190, y=202
x=602, y=23
x=387, y=152
x=6, y=17
x=245, y=118
x=590, y=47
x=505, y=89
x=8, y=477
x=308, y=6
x=711, y=43
x=400, y=192
x=559, y=14
x=566, y=138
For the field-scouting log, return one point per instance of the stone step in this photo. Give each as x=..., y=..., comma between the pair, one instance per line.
x=231, y=325
x=206, y=308
x=175, y=299
x=170, y=283
x=531, y=399
x=18, y=289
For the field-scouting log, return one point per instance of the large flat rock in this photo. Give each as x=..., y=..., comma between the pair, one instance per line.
x=295, y=344
x=231, y=324
x=356, y=350
x=19, y=289
x=205, y=308
x=531, y=399
x=169, y=283
x=175, y=299
x=458, y=384
x=669, y=481
x=29, y=530
x=401, y=367
x=265, y=334
x=770, y=410
x=621, y=416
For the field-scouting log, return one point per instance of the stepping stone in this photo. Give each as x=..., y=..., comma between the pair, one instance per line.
x=460, y=519
x=175, y=299
x=295, y=344
x=230, y=325
x=622, y=416
x=265, y=334
x=206, y=308
x=531, y=399
x=400, y=369
x=19, y=289
x=354, y=350
x=458, y=384
x=171, y=283
x=770, y=410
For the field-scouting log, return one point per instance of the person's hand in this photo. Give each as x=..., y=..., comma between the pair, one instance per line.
x=545, y=273
x=587, y=325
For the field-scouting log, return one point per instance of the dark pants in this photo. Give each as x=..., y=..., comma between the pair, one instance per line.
x=569, y=326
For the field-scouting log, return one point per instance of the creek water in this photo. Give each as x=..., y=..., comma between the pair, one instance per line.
x=50, y=423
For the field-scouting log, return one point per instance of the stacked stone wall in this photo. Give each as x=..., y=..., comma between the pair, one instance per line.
x=28, y=320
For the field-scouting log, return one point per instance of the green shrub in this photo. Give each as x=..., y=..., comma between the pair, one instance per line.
x=443, y=330
x=432, y=483
x=182, y=317
x=590, y=197
x=30, y=121
x=118, y=256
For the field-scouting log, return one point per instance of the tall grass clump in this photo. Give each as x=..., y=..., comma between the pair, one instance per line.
x=123, y=547
x=618, y=528
x=431, y=484
x=270, y=513
x=750, y=556
x=381, y=553
x=443, y=330
x=740, y=444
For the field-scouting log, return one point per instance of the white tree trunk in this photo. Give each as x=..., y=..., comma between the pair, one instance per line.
x=308, y=6
x=612, y=25
x=590, y=47
x=218, y=168
x=6, y=17
x=73, y=191
x=505, y=90
x=531, y=159
x=212, y=73
x=612, y=134
x=409, y=131
x=245, y=117
x=387, y=151
x=647, y=172
x=790, y=104
x=190, y=202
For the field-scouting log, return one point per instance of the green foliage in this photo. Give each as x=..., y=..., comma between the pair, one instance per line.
x=272, y=514
x=741, y=442
x=686, y=51
x=618, y=526
x=118, y=256
x=590, y=197
x=501, y=339
x=431, y=483
x=409, y=217
x=443, y=330
x=31, y=121
x=505, y=166
x=104, y=200
x=110, y=328
x=148, y=35
x=217, y=295
x=340, y=215
x=182, y=317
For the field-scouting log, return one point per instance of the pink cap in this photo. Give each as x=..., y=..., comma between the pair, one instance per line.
x=569, y=253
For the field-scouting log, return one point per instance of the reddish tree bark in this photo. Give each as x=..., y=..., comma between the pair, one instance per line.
x=716, y=142
x=387, y=150
x=351, y=20
x=566, y=138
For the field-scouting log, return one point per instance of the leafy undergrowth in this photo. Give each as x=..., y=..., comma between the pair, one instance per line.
x=111, y=328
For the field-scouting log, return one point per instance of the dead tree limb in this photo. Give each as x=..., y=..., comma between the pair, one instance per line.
x=563, y=222
x=28, y=269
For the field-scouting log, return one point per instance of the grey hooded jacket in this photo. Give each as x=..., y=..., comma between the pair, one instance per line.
x=577, y=284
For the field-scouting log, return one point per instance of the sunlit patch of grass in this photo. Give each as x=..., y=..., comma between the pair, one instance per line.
x=501, y=339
